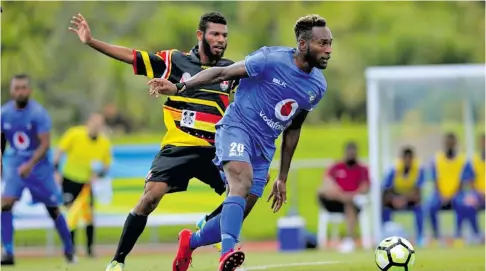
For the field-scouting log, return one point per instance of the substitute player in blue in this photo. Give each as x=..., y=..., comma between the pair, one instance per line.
x=26, y=126
x=278, y=87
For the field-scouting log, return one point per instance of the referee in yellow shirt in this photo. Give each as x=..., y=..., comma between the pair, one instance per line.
x=84, y=146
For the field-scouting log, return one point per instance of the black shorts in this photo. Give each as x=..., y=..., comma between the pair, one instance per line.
x=334, y=206
x=176, y=166
x=71, y=190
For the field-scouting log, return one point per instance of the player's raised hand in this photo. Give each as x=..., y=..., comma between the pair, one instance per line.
x=80, y=26
x=161, y=86
x=279, y=195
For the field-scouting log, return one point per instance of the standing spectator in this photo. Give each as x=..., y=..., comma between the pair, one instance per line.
x=345, y=180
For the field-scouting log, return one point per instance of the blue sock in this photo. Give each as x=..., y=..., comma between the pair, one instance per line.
x=231, y=222
x=419, y=220
x=208, y=235
x=64, y=234
x=387, y=214
x=472, y=217
x=459, y=212
x=7, y=232
x=434, y=209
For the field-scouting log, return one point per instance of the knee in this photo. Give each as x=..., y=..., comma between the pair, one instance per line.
x=240, y=178
x=54, y=212
x=7, y=204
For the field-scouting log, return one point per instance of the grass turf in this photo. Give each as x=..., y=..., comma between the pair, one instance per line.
x=466, y=259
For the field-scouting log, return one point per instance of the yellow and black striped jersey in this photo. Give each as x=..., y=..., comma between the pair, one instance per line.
x=190, y=116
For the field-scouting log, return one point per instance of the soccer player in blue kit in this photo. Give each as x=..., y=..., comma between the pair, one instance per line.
x=278, y=87
x=26, y=126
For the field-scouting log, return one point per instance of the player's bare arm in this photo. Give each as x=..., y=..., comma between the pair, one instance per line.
x=207, y=77
x=4, y=145
x=39, y=153
x=289, y=144
x=80, y=26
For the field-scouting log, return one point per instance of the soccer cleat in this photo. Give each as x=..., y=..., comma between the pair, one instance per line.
x=183, y=257
x=420, y=242
x=115, y=266
x=231, y=260
x=70, y=258
x=8, y=260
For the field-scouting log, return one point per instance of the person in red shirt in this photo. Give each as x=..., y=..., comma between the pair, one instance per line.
x=345, y=180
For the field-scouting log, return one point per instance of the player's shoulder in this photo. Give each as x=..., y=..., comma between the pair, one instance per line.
x=223, y=62
x=78, y=129
x=338, y=165
x=277, y=49
x=7, y=107
x=36, y=108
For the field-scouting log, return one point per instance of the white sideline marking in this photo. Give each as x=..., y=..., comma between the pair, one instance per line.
x=264, y=267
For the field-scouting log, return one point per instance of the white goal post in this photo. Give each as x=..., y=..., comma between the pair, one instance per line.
x=429, y=80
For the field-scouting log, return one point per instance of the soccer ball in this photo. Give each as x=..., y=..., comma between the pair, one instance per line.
x=395, y=254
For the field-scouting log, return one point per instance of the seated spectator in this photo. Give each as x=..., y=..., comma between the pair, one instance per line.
x=115, y=120
x=345, y=180
x=402, y=191
x=451, y=175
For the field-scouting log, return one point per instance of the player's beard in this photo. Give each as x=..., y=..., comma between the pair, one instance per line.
x=207, y=50
x=22, y=103
x=312, y=59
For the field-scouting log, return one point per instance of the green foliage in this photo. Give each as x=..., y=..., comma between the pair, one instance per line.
x=72, y=79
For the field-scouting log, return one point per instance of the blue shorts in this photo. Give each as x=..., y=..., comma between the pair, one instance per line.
x=234, y=144
x=40, y=183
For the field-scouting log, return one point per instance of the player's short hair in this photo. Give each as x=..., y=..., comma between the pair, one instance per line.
x=351, y=145
x=303, y=26
x=407, y=151
x=211, y=17
x=450, y=135
x=20, y=76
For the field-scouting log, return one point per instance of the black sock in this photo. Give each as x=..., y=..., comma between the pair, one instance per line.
x=89, y=239
x=133, y=228
x=216, y=212
x=73, y=238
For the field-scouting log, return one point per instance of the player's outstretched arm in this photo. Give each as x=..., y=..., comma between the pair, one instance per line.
x=217, y=75
x=207, y=77
x=80, y=26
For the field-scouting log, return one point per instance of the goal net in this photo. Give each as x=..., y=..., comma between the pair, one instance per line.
x=415, y=106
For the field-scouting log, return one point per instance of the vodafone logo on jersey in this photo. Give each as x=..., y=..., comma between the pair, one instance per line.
x=285, y=109
x=21, y=141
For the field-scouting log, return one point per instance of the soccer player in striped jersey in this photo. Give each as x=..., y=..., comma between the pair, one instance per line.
x=187, y=149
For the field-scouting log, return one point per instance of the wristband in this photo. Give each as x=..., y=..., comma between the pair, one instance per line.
x=180, y=87
x=56, y=167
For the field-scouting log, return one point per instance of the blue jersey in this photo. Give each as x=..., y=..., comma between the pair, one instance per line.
x=274, y=93
x=22, y=127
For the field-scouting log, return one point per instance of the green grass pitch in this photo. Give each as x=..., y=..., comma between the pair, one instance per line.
x=466, y=259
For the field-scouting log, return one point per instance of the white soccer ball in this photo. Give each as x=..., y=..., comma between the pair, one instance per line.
x=395, y=254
